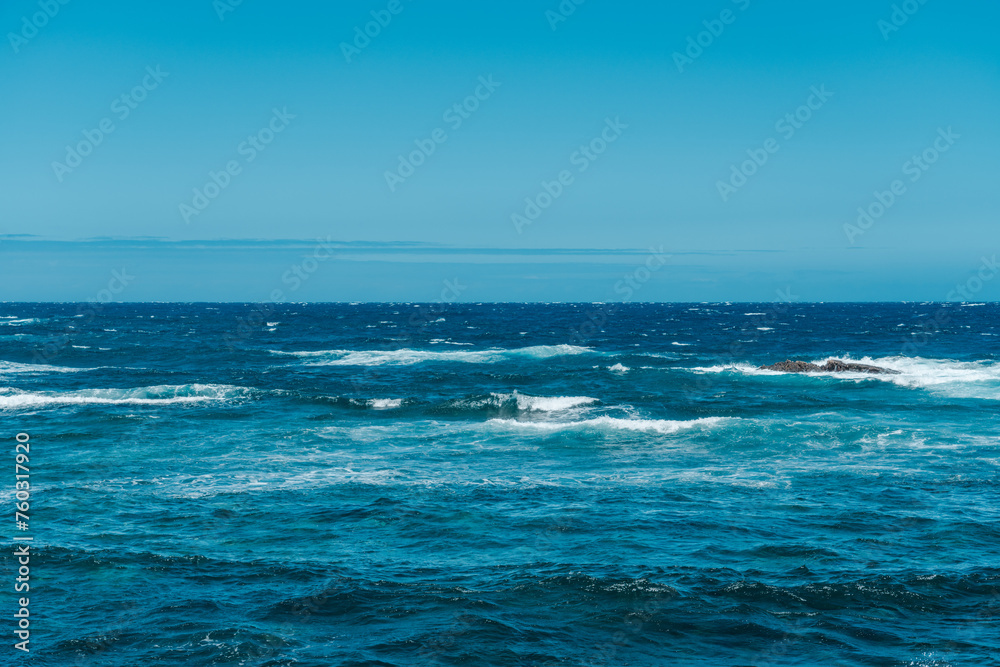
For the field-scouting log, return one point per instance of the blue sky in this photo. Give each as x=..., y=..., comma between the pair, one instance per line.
x=302, y=137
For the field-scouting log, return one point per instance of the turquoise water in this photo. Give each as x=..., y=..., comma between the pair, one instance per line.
x=506, y=484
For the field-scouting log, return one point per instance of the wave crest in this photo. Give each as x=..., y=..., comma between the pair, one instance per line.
x=13, y=367
x=407, y=356
x=604, y=423
x=955, y=379
x=15, y=399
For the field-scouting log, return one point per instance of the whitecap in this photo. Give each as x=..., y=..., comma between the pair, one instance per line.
x=385, y=403
x=604, y=423
x=957, y=379
x=15, y=399
x=12, y=367
x=527, y=402
x=551, y=403
x=407, y=356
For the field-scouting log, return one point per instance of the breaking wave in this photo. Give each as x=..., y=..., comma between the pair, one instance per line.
x=407, y=356
x=13, y=367
x=958, y=379
x=15, y=399
x=604, y=423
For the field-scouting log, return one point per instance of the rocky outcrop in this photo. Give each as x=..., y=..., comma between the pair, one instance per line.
x=831, y=366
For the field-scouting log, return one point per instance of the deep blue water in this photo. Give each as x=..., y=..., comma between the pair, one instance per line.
x=505, y=484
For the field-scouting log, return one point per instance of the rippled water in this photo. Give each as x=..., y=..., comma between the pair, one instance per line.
x=572, y=484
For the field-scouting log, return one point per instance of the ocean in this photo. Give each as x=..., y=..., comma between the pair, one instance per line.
x=503, y=484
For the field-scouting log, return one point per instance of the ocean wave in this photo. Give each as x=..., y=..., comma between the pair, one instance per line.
x=528, y=403
x=673, y=356
x=384, y=403
x=15, y=399
x=515, y=402
x=13, y=321
x=957, y=379
x=407, y=356
x=604, y=423
x=13, y=367
x=445, y=341
x=746, y=369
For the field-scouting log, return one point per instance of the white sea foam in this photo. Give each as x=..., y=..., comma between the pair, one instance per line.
x=619, y=368
x=551, y=403
x=407, y=356
x=528, y=403
x=385, y=403
x=15, y=399
x=604, y=423
x=958, y=379
x=18, y=322
x=445, y=341
x=13, y=367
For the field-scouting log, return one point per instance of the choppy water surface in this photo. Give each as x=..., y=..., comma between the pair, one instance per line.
x=507, y=484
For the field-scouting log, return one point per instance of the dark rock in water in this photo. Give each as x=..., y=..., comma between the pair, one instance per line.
x=838, y=366
x=793, y=367
x=831, y=366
